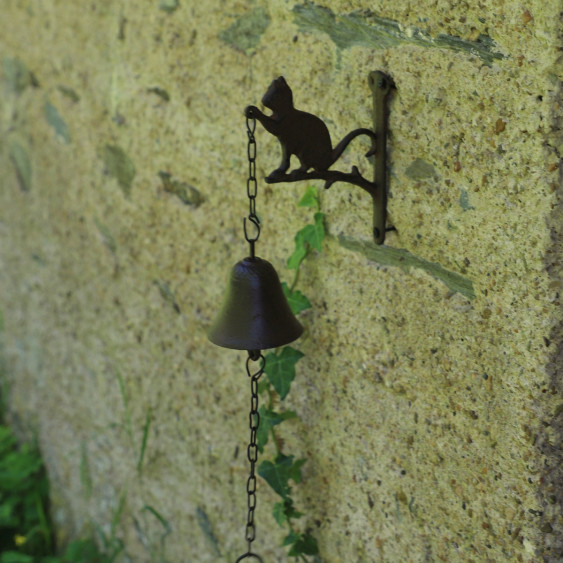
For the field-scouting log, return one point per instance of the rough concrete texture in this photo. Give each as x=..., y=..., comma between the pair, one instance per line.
x=430, y=416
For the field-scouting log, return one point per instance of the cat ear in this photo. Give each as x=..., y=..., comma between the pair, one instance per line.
x=282, y=80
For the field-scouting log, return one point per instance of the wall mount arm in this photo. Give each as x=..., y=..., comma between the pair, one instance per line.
x=306, y=136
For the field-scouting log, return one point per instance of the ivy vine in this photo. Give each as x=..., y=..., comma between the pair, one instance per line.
x=280, y=372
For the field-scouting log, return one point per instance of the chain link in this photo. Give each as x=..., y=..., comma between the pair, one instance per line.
x=252, y=450
x=253, y=355
x=251, y=184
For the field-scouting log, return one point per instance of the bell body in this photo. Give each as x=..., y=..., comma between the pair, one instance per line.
x=255, y=314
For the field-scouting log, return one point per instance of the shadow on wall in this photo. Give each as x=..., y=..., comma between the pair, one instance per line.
x=549, y=440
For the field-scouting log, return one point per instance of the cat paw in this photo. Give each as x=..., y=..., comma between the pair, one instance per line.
x=250, y=111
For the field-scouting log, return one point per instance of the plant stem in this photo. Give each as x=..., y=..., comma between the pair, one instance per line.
x=274, y=439
x=296, y=277
x=292, y=530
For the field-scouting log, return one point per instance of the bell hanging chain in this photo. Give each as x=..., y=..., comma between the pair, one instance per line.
x=251, y=185
x=252, y=451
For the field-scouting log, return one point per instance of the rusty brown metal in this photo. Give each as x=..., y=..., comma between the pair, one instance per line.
x=306, y=136
x=380, y=85
x=255, y=314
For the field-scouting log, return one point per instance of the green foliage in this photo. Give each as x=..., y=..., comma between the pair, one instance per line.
x=154, y=540
x=82, y=551
x=297, y=301
x=128, y=426
x=278, y=473
x=284, y=470
x=310, y=198
x=268, y=419
x=205, y=526
x=280, y=369
x=15, y=557
x=303, y=544
x=26, y=532
x=284, y=511
x=146, y=428
x=24, y=527
x=309, y=237
x=160, y=518
x=111, y=541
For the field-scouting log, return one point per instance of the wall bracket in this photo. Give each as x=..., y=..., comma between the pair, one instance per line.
x=306, y=136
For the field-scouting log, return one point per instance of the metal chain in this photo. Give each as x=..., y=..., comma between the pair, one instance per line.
x=252, y=451
x=251, y=184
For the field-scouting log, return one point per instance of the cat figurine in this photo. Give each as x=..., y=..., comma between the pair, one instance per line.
x=300, y=133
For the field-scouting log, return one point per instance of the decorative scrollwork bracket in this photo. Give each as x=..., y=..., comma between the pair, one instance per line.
x=306, y=136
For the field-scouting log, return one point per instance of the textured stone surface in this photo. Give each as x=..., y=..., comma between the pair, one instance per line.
x=431, y=418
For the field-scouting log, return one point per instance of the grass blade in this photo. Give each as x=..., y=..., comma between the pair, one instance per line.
x=128, y=426
x=117, y=515
x=85, y=475
x=146, y=428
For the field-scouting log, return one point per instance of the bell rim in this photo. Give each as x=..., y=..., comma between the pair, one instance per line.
x=256, y=345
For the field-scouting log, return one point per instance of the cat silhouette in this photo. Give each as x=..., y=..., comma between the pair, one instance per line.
x=300, y=133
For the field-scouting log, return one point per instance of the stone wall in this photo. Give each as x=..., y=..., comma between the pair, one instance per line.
x=429, y=398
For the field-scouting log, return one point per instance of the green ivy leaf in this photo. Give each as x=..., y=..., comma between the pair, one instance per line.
x=279, y=513
x=310, y=198
x=305, y=544
x=310, y=236
x=289, y=511
x=300, y=251
x=280, y=369
x=284, y=510
x=269, y=419
x=295, y=470
x=297, y=301
x=263, y=385
x=291, y=538
x=276, y=475
x=318, y=233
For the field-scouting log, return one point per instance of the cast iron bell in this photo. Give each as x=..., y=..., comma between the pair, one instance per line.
x=255, y=314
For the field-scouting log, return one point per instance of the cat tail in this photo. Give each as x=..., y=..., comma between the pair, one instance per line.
x=340, y=147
